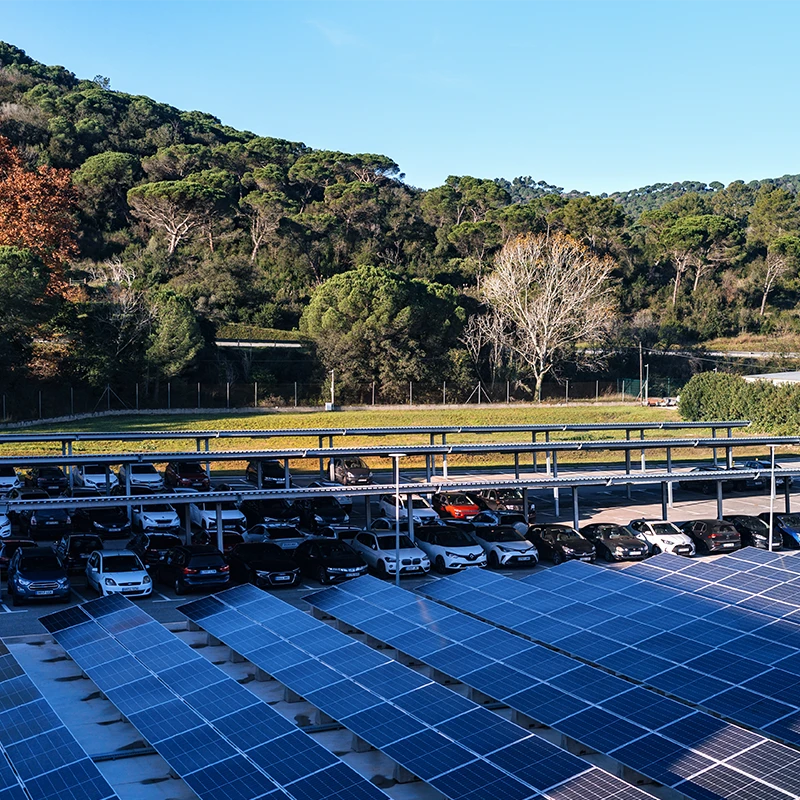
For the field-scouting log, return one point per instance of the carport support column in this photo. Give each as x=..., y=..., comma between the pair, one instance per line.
x=526, y=505
x=628, y=463
x=644, y=458
x=219, y=526
x=444, y=465
x=556, y=498
x=287, y=481
x=516, y=465
x=533, y=441
x=719, y=500
x=664, y=498
x=128, y=491
x=669, y=484
x=321, y=460
x=410, y=515
x=547, y=452
x=208, y=463
x=72, y=469
x=259, y=474
x=368, y=509
x=428, y=457
x=187, y=524
x=786, y=500
x=714, y=450
x=576, y=514
x=729, y=457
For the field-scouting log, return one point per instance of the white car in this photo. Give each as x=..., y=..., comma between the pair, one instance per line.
x=380, y=553
x=287, y=537
x=141, y=475
x=421, y=508
x=505, y=546
x=662, y=537
x=118, y=572
x=449, y=548
x=5, y=526
x=94, y=476
x=204, y=515
x=9, y=479
x=160, y=517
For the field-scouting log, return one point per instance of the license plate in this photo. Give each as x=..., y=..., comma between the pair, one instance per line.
x=53, y=487
x=283, y=577
x=51, y=522
x=207, y=572
x=114, y=530
x=128, y=591
x=45, y=591
x=728, y=544
x=523, y=558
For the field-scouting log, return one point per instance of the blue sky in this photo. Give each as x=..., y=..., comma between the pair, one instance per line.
x=597, y=96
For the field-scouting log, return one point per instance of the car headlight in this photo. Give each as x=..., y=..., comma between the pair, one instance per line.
x=96, y=524
x=146, y=579
x=350, y=475
x=390, y=558
x=670, y=542
x=619, y=550
x=22, y=580
x=317, y=518
x=337, y=570
x=568, y=549
x=110, y=582
x=504, y=549
x=453, y=555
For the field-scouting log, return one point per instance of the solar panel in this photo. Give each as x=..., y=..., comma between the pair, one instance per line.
x=599, y=710
x=218, y=736
x=460, y=748
x=46, y=758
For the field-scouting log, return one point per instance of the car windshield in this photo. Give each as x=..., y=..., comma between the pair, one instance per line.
x=329, y=503
x=390, y=543
x=95, y=469
x=160, y=508
x=270, y=469
x=752, y=524
x=259, y=550
x=790, y=519
x=51, y=472
x=610, y=531
x=205, y=561
x=663, y=528
x=354, y=463
x=163, y=542
x=36, y=496
x=457, y=500
x=419, y=502
x=565, y=536
x=333, y=547
x=85, y=545
x=126, y=563
x=41, y=562
x=283, y=533
x=277, y=507
x=11, y=547
x=7, y=472
x=512, y=519
x=226, y=506
x=190, y=466
x=502, y=535
x=451, y=537
x=143, y=469
x=504, y=495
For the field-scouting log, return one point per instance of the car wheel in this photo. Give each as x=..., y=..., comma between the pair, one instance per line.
x=558, y=557
x=15, y=599
x=494, y=560
x=380, y=568
x=178, y=586
x=608, y=556
x=322, y=576
x=439, y=564
x=656, y=550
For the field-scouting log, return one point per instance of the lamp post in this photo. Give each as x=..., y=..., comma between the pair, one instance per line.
x=396, y=475
x=771, y=494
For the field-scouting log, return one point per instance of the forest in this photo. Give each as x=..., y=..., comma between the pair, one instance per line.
x=134, y=235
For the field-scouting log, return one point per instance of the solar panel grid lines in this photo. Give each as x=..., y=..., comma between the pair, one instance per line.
x=723, y=733
x=40, y=759
x=199, y=733
x=621, y=715
x=499, y=745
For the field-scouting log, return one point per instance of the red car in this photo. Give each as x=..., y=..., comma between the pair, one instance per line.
x=187, y=474
x=455, y=505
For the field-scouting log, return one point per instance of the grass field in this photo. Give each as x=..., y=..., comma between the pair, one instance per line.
x=484, y=415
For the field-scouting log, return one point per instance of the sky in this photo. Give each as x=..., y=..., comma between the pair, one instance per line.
x=595, y=96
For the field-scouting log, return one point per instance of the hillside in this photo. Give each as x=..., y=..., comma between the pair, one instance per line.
x=177, y=224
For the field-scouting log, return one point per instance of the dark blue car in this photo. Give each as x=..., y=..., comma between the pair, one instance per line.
x=788, y=525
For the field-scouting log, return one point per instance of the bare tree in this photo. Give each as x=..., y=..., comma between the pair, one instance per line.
x=782, y=256
x=548, y=294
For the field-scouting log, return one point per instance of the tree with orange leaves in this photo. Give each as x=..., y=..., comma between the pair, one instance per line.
x=36, y=212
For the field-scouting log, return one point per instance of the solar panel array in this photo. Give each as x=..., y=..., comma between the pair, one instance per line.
x=669, y=742
x=734, y=662
x=41, y=754
x=458, y=747
x=216, y=734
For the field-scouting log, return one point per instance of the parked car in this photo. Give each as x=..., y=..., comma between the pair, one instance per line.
x=287, y=537
x=560, y=543
x=118, y=572
x=712, y=535
x=342, y=532
x=36, y=573
x=788, y=525
x=455, y=504
x=421, y=509
x=152, y=547
x=74, y=549
x=449, y=548
x=492, y=519
x=380, y=553
x=754, y=532
x=662, y=537
x=49, y=479
x=10, y=546
x=329, y=560
x=95, y=476
x=9, y=479
x=109, y=521
x=263, y=564
x=187, y=474
x=270, y=510
x=349, y=470
x=317, y=512
x=41, y=523
x=140, y=475
x=229, y=539
x=505, y=546
x=504, y=500
x=345, y=500
x=5, y=526
x=155, y=517
x=765, y=469
x=272, y=473
x=204, y=516
x=386, y=525
x=193, y=566
x=615, y=542
x=709, y=485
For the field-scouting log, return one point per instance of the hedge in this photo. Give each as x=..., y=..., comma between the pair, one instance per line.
x=717, y=396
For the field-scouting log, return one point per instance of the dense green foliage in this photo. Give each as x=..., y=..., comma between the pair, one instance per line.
x=186, y=225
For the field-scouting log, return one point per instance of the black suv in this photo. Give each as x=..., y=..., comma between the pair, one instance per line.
x=712, y=535
x=193, y=566
x=318, y=512
x=262, y=564
x=560, y=543
x=74, y=549
x=41, y=523
x=329, y=560
x=614, y=542
x=36, y=573
x=49, y=479
x=272, y=474
x=754, y=531
x=152, y=547
x=109, y=521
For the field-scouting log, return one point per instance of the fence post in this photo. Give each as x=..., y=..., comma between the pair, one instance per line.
x=40, y=404
x=508, y=392
x=71, y=401
x=373, y=392
x=444, y=393
x=255, y=394
x=169, y=394
x=566, y=395
x=295, y=394
x=411, y=393
x=198, y=394
x=108, y=397
x=479, y=392
x=137, y=396
x=596, y=391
